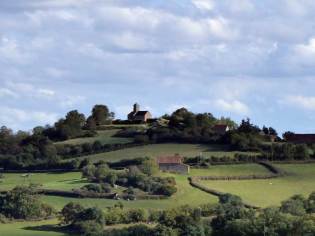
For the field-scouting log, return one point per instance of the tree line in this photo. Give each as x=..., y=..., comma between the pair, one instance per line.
x=229, y=217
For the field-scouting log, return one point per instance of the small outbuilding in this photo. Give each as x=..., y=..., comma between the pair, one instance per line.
x=220, y=129
x=173, y=164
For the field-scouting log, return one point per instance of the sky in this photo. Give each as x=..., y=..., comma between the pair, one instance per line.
x=233, y=58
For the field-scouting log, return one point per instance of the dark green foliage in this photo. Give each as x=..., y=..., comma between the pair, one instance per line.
x=287, y=151
x=134, y=177
x=296, y=205
x=101, y=115
x=24, y=203
x=185, y=126
x=247, y=127
x=311, y=203
x=149, y=166
x=70, y=127
x=70, y=213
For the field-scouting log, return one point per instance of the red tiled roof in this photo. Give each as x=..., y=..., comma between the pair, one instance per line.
x=220, y=128
x=301, y=138
x=169, y=160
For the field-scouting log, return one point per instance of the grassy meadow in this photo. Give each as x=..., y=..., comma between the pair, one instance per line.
x=36, y=228
x=104, y=136
x=155, y=150
x=301, y=180
x=61, y=181
x=230, y=170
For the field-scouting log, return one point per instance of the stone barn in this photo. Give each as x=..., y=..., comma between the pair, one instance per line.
x=173, y=164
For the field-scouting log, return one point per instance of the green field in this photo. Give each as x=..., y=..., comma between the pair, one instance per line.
x=39, y=228
x=61, y=181
x=155, y=150
x=259, y=192
x=104, y=136
x=230, y=170
x=301, y=180
x=185, y=195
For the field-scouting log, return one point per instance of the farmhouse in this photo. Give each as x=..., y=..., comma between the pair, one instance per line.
x=301, y=138
x=137, y=115
x=173, y=164
x=221, y=129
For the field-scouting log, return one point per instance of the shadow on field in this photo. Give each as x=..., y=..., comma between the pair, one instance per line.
x=50, y=228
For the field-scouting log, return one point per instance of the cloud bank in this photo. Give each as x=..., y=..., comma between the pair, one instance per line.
x=235, y=58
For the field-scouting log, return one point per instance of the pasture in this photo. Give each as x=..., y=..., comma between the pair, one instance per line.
x=230, y=170
x=61, y=181
x=104, y=136
x=263, y=193
x=155, y=150
x=36, y=228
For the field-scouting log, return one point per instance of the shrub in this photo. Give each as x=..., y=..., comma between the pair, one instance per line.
x=24, y=203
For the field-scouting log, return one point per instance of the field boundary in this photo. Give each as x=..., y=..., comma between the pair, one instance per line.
x=275, y=173
x=87, y=194
x=214, y=192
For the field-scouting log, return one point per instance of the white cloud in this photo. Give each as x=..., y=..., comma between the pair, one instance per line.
x=306, y=49
x=11, y=50
x=131, y=41
x=204, y=5
x=18, y=118
x=233, y=106
x=299, y=101
x=46, y=92
x=72, y=101
x=5, y=92
x=56, y=72
x=28, y=90
x=241, y=6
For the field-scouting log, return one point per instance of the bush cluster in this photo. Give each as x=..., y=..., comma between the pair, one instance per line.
x=24, y=203
x=137, y=177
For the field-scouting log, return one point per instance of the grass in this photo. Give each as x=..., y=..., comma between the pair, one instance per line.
x=154, y=150
x=185, y=195
x=104, y=136
x=61, y=181
x=229, y=170
x=265, y=193
x=259, y=192
x=37, y=228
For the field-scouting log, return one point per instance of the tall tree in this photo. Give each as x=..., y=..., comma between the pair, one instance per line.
x=102, y=115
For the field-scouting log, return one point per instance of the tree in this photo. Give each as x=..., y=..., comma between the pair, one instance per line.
x=71, y=126
x=149, y=166
x=265, y=130
x=70, y=212
x=89, y=171
x=295, y=205
x=102, y=115
x=311, y=203
x=101, y=172
x=24, y=203
x=272, y=131
x=302, y=152
x=247, y=127
x=111, y=178
x=90, y=123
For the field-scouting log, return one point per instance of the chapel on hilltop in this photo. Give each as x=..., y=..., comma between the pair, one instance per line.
x=139, y=116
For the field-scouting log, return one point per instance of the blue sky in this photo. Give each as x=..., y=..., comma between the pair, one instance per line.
x=235, y=58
